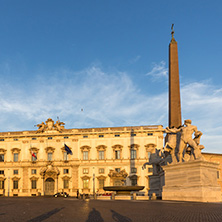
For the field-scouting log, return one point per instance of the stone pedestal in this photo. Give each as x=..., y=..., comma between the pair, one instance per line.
x=155, y=186
x=192, y=181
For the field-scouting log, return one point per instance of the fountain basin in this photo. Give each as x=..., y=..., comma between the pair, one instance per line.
x=123, y=190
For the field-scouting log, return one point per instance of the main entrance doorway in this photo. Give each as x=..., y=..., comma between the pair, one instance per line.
x=49, y=186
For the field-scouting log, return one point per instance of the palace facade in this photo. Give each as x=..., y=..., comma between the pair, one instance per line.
x=34, y=163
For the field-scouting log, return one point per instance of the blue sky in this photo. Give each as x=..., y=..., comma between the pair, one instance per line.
x=109, y=58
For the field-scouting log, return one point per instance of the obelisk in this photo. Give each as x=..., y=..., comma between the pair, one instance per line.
x=174, y=85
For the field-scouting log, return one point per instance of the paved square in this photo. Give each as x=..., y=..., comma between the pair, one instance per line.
x=60, y=209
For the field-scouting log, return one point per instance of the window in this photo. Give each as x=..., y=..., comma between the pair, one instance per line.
x=33, y=184
x=15, y=157
x=150, y=170
x=85, y=170
x=149, y=153
x=2, y=139
x=15, y=184
x=50, y=138
x=15, y=139
x=85, y=136
x=15, y=172
x=133, y=154
x=66, y=137
x=101, y=170
x=134, y=182
x=65, y=184
x=133, y=170
x=101, y=183
x=117, y=135
x=101, y=135
x=85, y=183
x=65, y=156
x=33, y=138
x=117, y=170
x=65, y=171
x=1, y=172
x=34, y=156
x=117, y=154
x=2, y=184
x=101, y=155
x=49, y=156
x=149, y=134
x=85, y=155
x=133, y=134
x=1, y=157
x=33, y=171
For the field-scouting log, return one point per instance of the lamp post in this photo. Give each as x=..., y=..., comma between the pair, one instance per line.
x=8, y=183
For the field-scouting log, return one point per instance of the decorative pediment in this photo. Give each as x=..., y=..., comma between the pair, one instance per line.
x=15, y=178
x=34, y=178
x=34, y=149
x=2, y=150
x=134, y=176
x=101, y=177
x=49, y=149
x=101, y=147
x=134, y=146
x=117, y=147
x=85, y=177
x=150, y=147
x=120, y=175
x=15, y=150
x=66, y=177
x=49, y=125
x=49, y=171
x=85, y=148
x=2, y=178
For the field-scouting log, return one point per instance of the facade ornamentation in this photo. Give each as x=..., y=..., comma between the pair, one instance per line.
x=49, y=125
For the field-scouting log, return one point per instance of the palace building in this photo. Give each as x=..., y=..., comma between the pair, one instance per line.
x=36, y=163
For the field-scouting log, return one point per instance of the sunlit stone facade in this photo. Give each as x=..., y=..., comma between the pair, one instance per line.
x=96, y=153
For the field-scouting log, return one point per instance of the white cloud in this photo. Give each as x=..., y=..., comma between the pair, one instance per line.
x=158, y=71
x=107, y=99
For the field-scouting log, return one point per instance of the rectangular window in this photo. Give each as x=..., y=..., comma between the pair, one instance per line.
x=65, y=156
x=1, y=157
x=101, y=183
x=15, y=139
x=2, y=139
x=49, y=156
x=34, y=156
x=85, y=136
x=2, y=184
x=65, y=171
x=101, y=155
x=133, y=134
x=85, y=183
x=66, y=184
x=33, y=171
x=101, y=135
x=1, y=172
x=85, y=170
x=15, y=172
x=34, y=184
x=132, y=154
x=33, y=138
x=149, y=134
x=150, y=170
x=149, y=153
x=117, y=135
x=15, y=184
x=85, y=155
x=134, y=182
x=66, y=137
x=117, y=154
x=15, y=157
x=101, y=170
x=50, y=138
x=117, y=170
x=133, y=170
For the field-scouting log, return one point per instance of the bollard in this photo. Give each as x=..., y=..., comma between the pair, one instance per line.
x=83, y=196
x=134, y=196
x=95, y=197
x=113, y=196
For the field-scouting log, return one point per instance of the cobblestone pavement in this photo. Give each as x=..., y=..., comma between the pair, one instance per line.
x=60, y=209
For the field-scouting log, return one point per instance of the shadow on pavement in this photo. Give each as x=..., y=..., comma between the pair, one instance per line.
x=119, y=218
x=45, y=216
x=94, y=215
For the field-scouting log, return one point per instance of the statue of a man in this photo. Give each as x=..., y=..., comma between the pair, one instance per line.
x=186, y=137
